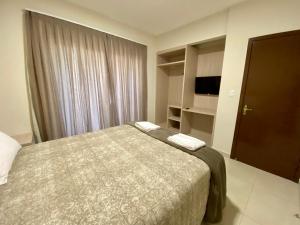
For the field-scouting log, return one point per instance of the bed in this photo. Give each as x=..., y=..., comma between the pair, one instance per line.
x=119, y=175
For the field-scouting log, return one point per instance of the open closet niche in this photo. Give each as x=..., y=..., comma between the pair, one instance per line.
x=170, y=76
x=179, y=105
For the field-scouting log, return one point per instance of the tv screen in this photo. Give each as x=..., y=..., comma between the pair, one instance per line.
x=208, y=85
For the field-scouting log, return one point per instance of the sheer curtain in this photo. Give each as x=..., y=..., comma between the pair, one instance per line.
x=74, y=83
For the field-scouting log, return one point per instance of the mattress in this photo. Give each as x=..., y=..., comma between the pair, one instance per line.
x=115, y=176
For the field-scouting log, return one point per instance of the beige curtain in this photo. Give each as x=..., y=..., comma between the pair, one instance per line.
x=72, y=86
x=127, y=66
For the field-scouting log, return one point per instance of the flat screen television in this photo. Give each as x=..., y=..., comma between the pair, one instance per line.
x=208, y=85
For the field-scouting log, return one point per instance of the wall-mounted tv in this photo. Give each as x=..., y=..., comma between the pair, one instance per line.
x=208, y=85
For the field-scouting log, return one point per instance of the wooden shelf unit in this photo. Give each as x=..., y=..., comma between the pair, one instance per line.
x=204, y=111
x=169, y=80
x=177, y=105
x=174, y=106
x=173, y=125
x=177, y=63
x=174, y=114
x=174, y=118
x=171, y=56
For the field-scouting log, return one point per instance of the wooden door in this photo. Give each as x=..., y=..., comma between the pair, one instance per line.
x=267, y=133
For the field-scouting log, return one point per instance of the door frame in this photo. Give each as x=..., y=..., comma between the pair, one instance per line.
x=244, y=84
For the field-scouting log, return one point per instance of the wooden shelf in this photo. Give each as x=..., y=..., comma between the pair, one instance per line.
x=203, y=111
x=174, y=106
x=174, y=118
x=169, y=53
x=176, y=63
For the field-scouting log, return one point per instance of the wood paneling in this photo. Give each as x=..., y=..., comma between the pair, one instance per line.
x=209, y=102
x=190, y=71
x=162, y=81
x=203, y=126
x=175, y=90
x=210, y=64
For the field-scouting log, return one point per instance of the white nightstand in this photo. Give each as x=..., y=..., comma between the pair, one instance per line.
x=24, y=139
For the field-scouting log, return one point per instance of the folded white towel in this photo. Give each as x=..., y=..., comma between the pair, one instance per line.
x=146, y=126
x=186, y=141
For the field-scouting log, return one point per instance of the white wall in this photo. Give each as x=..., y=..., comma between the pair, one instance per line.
x=14, y=110
x=213, y=26
x=243, y=21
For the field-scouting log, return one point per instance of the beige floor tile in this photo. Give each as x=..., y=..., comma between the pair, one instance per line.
x=278, y=186
x=241, y=171
x=247, y=221
x=238, y=191
x=266, y=208
x=293, y=221
x=259, y=198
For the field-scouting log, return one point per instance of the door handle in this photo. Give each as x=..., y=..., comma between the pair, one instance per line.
x=246, y=109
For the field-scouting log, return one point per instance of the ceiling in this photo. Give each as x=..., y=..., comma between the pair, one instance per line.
x=156, y=16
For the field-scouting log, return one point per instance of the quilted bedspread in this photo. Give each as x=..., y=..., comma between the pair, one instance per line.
x=114, y=176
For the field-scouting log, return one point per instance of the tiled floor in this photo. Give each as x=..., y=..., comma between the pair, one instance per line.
x=255, y=197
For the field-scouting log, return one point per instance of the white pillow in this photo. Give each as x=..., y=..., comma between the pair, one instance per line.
x=9, y=148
